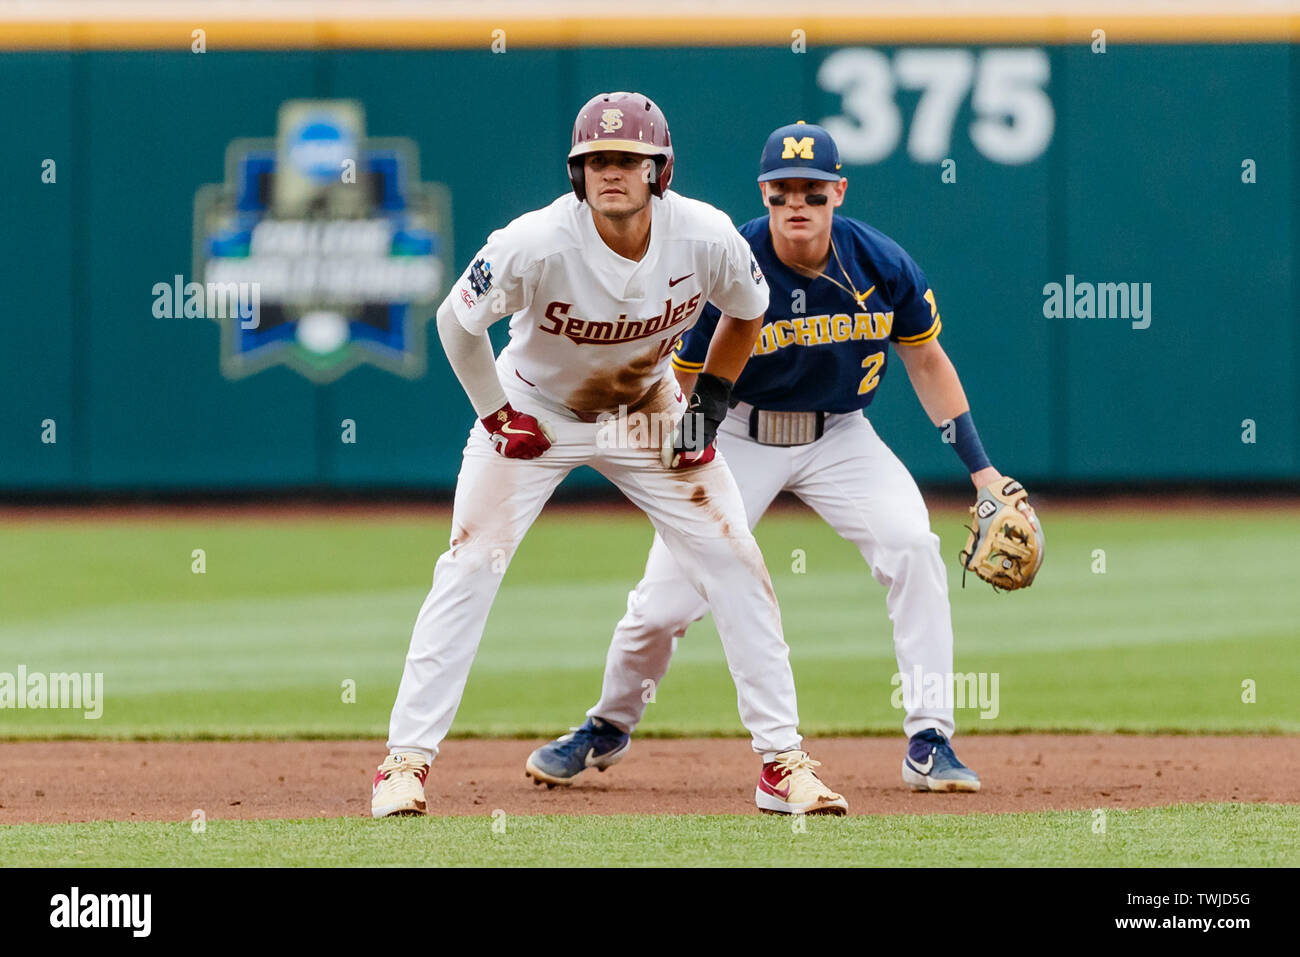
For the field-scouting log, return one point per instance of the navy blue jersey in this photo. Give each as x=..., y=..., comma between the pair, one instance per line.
x=821, y=350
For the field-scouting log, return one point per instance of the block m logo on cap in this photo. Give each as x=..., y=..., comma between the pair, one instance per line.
x=802, y=148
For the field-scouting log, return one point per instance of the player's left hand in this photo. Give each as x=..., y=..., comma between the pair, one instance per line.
x=1005, y=546
x=691, y=443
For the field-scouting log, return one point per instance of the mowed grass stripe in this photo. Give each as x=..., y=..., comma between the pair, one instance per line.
x=1188, y=609
x=1208, y=835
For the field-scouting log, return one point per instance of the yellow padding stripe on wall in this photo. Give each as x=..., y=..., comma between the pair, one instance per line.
x=104, y=31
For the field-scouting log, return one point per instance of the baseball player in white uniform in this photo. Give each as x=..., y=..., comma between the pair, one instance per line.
x=841, y=292
x=600, y=285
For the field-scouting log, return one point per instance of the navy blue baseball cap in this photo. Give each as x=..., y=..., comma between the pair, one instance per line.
x=799, y=151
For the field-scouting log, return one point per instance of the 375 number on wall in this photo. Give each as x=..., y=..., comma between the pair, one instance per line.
x=1014, y=116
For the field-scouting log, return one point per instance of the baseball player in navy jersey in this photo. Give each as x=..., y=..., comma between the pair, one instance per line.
x=598, y=298
x=841, y=293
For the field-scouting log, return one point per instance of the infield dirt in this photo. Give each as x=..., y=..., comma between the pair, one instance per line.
x=59, y=781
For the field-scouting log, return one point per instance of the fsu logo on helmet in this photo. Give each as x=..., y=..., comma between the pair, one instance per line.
x=621, y=123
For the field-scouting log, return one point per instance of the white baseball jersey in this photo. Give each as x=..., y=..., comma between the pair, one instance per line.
x=592, y=330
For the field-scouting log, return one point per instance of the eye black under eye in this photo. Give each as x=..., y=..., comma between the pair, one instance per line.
x=812, y=199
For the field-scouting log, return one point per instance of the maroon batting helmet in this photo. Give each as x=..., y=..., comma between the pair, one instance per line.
x=624, y=123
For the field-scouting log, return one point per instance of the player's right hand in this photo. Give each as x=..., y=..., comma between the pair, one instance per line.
x=517, y=435
x=692, y=441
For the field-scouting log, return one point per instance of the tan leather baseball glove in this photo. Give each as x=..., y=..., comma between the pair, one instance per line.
x=1005, y=546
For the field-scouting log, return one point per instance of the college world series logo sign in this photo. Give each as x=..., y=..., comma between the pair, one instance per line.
x=343, y=244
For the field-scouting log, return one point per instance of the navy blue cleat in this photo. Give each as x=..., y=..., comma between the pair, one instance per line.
x=931, y=765
x=597, y=744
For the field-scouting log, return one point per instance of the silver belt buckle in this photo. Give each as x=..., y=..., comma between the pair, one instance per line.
x=785, y=428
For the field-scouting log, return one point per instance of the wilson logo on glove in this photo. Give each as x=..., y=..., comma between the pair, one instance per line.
x=1005, y=548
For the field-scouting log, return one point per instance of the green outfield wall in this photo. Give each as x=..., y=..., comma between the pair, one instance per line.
x=1001, y=169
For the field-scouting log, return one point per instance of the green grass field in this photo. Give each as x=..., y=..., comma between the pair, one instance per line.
x=1189, y=607
x=1200, y=835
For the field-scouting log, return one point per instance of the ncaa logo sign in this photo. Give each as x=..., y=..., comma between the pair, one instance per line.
x=318, y=148
x=344, y=244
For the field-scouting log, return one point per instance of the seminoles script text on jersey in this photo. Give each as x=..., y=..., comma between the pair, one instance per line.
x=590, y=329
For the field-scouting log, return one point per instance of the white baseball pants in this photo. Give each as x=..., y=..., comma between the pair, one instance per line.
x=700, y=523
x=853, y=481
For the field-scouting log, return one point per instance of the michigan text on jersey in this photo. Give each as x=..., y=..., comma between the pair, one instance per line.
x=820, y=330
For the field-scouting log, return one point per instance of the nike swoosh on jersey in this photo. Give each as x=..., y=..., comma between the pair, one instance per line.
x=509, y=431
x=673, y=282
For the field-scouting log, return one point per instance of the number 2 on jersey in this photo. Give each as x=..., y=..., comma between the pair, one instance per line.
x=872, y=364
